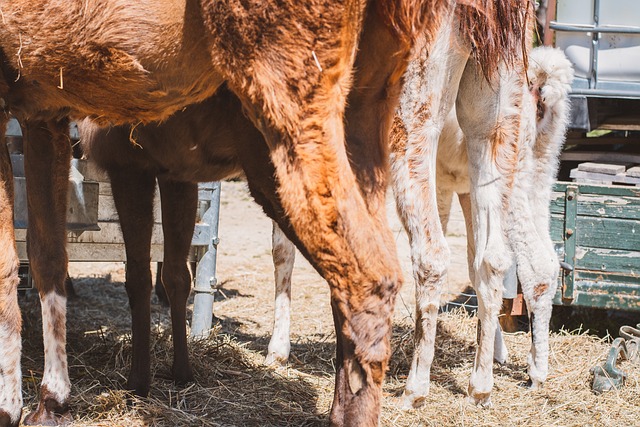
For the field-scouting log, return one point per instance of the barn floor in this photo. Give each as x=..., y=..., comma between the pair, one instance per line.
x=232, y=387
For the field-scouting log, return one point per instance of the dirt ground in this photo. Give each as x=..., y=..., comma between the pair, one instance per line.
x=233, y=388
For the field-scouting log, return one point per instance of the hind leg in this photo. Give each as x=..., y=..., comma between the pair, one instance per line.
x=283, y=252
x=413, y=168
x=538, y=269
x=179, y=205
x=47, y=164
x=10, y=319
x=491, y=123
x=133, y=193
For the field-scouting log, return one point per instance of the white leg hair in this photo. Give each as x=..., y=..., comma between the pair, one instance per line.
x=427, y=98
x=490, y=120
x=283, y=252
x=56, y=376
x=10, y=323
x=550, y=75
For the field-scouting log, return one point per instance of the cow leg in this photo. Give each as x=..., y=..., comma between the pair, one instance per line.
x=133, y=192
x=413, y=165
x=47, y=151
x=283, y=252
x=490, y=120
x=10, y=319
x=179, y=205
x=310, y=189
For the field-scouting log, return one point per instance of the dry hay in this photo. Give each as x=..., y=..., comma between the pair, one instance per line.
x=233, y=389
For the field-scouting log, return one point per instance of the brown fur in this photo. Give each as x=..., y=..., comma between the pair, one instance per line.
x=119, y=62
x=498, y=30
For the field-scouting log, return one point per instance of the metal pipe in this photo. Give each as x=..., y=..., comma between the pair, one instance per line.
x=205, y=283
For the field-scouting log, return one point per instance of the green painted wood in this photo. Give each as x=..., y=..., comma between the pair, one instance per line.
x=607, y=190
x=609, y=206
x=556, y=206
x=600, y=230
x=608, y=233
x=557, y=228
x=627, y=282
x=608, y=260
x=602, y=294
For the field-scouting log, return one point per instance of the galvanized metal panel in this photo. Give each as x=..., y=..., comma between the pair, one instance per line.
x=82, y=209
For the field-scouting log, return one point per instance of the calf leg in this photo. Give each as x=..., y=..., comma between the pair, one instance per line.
x=10, y=320
x=283, y=252
x=133, y=193
x=413, y=167
x=47, y=164
x=489, y=118
x=179, y=205
x=537, y=267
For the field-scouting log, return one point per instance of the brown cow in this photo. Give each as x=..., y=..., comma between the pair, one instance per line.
x=290, y=65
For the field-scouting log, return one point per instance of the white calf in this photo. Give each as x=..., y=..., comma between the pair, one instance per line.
x=550, y=74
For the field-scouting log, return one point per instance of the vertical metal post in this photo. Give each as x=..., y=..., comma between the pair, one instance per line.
x=206, y=232
x=570, y=236
x=595, y=46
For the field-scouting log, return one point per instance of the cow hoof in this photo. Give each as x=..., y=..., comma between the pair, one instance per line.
x=50, y=413
x=482, y=400
x=412, y=401
x=276, y=360
x=182, y=377
x=533, y=385
x=5, y=420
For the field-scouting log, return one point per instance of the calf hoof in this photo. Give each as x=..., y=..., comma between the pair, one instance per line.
x=533, y=384
x=412, y=401
x=5, y=420
x=275, y=359
x=50, y=413
x=482, y=400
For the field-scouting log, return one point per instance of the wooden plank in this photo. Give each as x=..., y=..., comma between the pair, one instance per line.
x=597, y=178
x=109, y=234
x=608, y=233
x=609, y=190
x=603, y=291
x=601, y=156
x=608, y=261
x=556, y=205
x=604, y=168
x=94, y=252
x=557, y=228
x=607, y=206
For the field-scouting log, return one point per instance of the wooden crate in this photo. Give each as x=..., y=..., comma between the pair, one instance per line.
x=596, y=229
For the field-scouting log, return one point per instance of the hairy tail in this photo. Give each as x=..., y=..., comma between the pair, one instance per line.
x=498, y=31
x=410, y=18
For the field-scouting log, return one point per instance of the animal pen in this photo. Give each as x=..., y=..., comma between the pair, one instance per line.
x=94, y=232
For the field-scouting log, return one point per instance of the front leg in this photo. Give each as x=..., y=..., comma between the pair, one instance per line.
x=10, y=319
x=283, y=252
x=47, y=164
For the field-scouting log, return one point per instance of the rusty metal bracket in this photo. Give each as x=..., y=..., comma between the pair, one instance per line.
x=626, y=347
